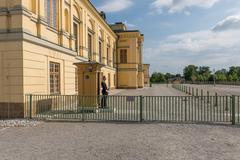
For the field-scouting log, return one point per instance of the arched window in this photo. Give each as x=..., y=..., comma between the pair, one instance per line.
x=90, y=39
x=66, y=15
x=51, y=12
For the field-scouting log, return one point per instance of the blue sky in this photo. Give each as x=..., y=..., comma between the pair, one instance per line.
x=181, y=32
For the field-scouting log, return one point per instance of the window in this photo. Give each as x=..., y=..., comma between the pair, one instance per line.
x=100, y=51
x=109, y=80
x=108, y=56
x=76, y=80
x=75, y=33
x=90, y=46
x=50, y=7
x=54, y=78
x=114, y=80
x=123, y=56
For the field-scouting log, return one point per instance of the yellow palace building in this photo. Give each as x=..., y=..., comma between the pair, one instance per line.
x=63, y=47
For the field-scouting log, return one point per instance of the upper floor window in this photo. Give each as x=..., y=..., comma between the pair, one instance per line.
x=51, y=12
x=75, y=33
x=123, y=56
x=90, y=46
x=108, y=59
x=100, y=51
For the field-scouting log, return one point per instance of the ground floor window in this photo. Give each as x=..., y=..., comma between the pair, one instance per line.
x=114, y=80
x=109, y=80
x=54, y=78
x=76, y=80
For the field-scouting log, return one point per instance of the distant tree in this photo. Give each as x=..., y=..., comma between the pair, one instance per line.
x=168, y=76
x=221, y=75
x=157, y=77
x=205, y=73
x=178, y=75
x=233, y=74
x=190, y=73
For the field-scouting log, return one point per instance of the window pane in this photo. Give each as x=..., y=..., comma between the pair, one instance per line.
x=89, y=46
x=54, y=78
x=54, y=13
x=100, y=51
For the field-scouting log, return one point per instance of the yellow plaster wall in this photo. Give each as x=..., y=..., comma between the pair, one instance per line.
x=127, y=79
x=106, y=72
x=11, y=75
x=146, y=74
x=36, y=69
x=31, y=69
x=130, y=41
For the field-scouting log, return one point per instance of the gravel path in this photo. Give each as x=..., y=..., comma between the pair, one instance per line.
x=99, y=141
x=220, y=89
x=156, y=90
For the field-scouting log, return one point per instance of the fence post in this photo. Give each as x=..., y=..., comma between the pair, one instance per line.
x=141, y=108
x=30, y=106
x=208, y=97
x=185, y=110
x=216, y=99
x=233, y=110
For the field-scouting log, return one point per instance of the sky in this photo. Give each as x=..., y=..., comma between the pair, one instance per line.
x=181, y=32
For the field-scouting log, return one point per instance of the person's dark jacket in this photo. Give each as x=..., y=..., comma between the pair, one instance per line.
x=104, y=88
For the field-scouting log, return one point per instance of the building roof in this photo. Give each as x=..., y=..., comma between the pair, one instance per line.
x=125, y=30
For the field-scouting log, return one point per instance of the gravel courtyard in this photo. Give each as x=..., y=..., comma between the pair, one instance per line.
x=156, y=90
x=220, y=89
x=105, y=141
x=119, y=141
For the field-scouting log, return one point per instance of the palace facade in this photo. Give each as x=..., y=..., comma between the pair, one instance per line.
x=52, y=46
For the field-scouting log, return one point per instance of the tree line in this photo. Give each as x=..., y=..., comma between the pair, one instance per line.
x=201, y=74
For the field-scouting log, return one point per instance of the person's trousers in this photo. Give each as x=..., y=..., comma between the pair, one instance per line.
x=104, y=101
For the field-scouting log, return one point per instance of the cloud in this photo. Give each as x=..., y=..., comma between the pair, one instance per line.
x=179, y=6
x=207, y=47
x=115, y=5
x=229, y=23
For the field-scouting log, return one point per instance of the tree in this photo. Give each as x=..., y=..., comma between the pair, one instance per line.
x=157, y=78
x=221, y=75
x=190, y=73
x=233, y=74
x=168, y=76
x=204, y=73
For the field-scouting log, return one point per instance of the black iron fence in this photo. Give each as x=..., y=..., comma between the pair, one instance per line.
x=193, y=109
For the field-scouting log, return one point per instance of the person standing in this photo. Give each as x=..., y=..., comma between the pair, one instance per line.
x=104, y=93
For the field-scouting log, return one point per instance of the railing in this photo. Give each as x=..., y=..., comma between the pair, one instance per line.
x=84, y=108
x=193, y=109
x=235, y=83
